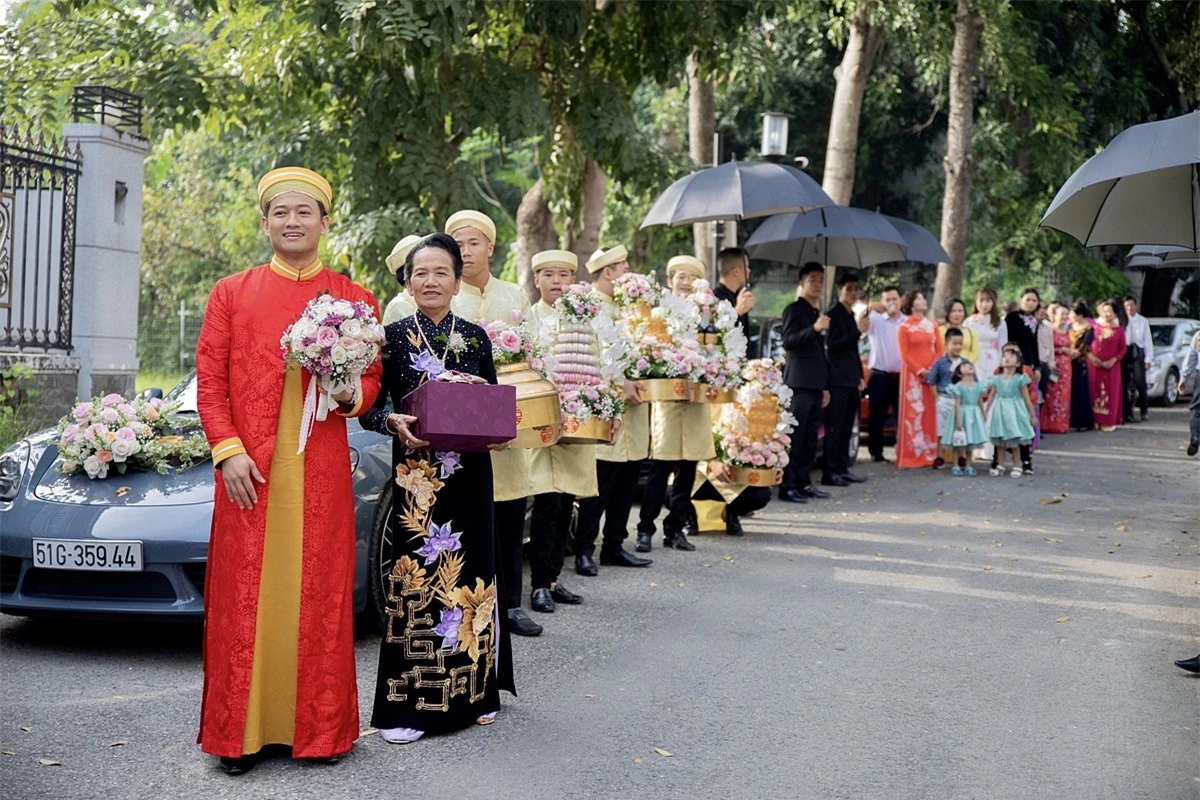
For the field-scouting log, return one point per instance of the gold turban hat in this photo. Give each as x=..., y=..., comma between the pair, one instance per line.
x=472, y=219
x=686, y=264
x=560, y=259
x=294, y=179
x=400, y=252
x=606, y=258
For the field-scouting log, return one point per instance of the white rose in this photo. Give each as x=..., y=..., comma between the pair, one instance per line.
x=92, y=466
x=338, y=354
x=124, y=448
x=352, y=327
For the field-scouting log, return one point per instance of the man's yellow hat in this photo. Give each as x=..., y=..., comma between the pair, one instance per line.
x=395, y=261
x=294, y=179
x=686, y=264
x=472, y=219
x=560, y=259
x=606, y=258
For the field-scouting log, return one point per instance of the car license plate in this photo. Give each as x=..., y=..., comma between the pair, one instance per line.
x=91, y=556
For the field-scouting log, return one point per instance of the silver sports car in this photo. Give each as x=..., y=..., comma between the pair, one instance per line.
x=137, y=544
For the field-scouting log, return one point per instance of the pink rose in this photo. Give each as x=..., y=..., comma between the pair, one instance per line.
x=112, y=400
x=82, y=412
x=126, y=433
x=509, y=341
x=327, y=336
x=105, y=456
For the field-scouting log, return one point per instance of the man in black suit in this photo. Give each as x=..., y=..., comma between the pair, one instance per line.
x=733, y=270
x=845, y=378
x=806, y=373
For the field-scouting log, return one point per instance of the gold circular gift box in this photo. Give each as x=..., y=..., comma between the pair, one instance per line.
x=663, y=390
x=539, y=415
x=750, y=476
x=704, y=393
x=589, y=431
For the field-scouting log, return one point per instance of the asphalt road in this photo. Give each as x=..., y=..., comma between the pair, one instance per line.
x=920, y=636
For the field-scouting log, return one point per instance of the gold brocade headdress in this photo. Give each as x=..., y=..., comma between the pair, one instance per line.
x=472, y=219
x=560, y=259
x=687, y=264
x=294, y=179
x=606, y=258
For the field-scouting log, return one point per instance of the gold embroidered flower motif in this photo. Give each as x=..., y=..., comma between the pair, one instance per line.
x=477, y=606
x=419, y=479
x=409, y=573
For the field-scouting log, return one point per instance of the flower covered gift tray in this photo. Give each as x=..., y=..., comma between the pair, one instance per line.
x=462, y=416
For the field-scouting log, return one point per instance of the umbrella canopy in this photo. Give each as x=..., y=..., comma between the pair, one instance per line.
x=1153, y=256
x=834, y=236
x=923, y=246
x=1143, y=187
x=736, y=190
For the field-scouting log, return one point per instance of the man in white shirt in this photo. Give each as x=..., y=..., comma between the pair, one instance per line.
x=1137, y=359
x=1189, y=381
x=881, y=322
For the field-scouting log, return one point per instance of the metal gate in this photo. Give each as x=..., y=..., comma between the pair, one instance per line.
x=39, y=187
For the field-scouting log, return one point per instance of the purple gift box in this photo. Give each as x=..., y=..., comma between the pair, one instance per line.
x=462, y=416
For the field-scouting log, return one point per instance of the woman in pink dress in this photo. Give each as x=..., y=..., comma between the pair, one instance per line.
x=916, y=418
x=1056, y=410
x=1104, y=367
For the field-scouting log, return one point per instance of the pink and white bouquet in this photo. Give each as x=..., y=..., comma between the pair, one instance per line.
x=514, y=342
x=634, y=290
x=666, y=341
x=722, y=342
x=111, y=433
x=586, y=357
x=336, y=340
x=755, y=432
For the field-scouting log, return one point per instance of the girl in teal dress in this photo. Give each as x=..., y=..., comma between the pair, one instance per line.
x=1010, y=413
x=968, y=429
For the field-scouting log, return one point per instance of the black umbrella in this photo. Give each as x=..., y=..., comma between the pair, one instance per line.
x=736, y=190
x=833, y=236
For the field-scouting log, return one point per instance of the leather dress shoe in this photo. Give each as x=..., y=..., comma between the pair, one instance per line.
x=834, y=480
x=585, y=565
x=733, y=525
x=520, y=624
x=238, y=766
x=541, y=601
x=679, y=542
x=562, y=594
x=623, y=558
x=811, y=491
x=1190, y=664
x=851, y=477
x=880, y=459
x=1193, y=446
x=792, y=496
x=644, y=542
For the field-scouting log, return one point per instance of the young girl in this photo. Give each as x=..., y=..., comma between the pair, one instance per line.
x=968, y=417
x=1011, y=414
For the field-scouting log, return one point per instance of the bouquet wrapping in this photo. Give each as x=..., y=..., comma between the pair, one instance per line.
x=335, y=340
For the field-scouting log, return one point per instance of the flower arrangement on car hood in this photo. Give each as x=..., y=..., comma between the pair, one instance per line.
x=111, y=433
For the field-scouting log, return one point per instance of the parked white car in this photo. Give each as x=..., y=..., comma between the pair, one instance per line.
x=1171, y=339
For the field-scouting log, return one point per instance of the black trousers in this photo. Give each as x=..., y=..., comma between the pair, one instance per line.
x=617, y=482
x=752, y=498
x=677, y=496
x=884, y=391
x=839, y=421
x=510, y=535
x=1133, y=373
x=806, y=408
x=549, y=526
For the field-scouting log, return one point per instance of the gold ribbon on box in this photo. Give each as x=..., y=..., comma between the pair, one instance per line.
x=664, y=390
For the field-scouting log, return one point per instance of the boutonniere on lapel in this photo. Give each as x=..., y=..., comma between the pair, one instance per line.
x=456, y=343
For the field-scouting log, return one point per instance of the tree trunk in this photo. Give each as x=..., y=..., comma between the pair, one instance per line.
x=702, y=125
x=535, y=233
x=842, y=149
x=591, y=215
x=959, y=162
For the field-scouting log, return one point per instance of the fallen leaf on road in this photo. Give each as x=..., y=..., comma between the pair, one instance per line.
x=653, y=585
x=663, y=753
x=706, y=565
x=119, y=743
x=638, y=760
x=590, y=696
x=920, y=533
x=680, y=584
x=8, y=752
x=1063, y=619
x=1122, y=528
x=49, y=762
x=26, y=728
x=1049, y=501
x=727, y=558
x=1052, y=540
x=1012, y=558
x=1147, y=575
x=987, y=569
x=124, y=490
x=369, y=732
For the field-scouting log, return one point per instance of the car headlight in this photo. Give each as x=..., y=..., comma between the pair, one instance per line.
x=13, y=462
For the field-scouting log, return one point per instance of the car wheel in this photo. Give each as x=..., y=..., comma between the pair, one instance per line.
x=852, y=456
x=380, y=561
x=1171, y=388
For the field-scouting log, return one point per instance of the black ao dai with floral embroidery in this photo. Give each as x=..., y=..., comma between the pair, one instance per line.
x=445, y=653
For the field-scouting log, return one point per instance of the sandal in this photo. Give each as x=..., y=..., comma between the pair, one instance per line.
x=400, y=735
x=1016, y=472
x=486, y=719
x=970, y=472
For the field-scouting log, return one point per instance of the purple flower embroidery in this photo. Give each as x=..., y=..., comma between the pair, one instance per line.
x=425, y=361
x=440, y=540
x=451, y=462
x=447, y=628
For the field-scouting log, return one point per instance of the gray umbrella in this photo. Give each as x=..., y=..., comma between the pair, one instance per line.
x=1143, y=187
x=736, y=190
x=923, y=246
x=1152, y=256
x=834, y=236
